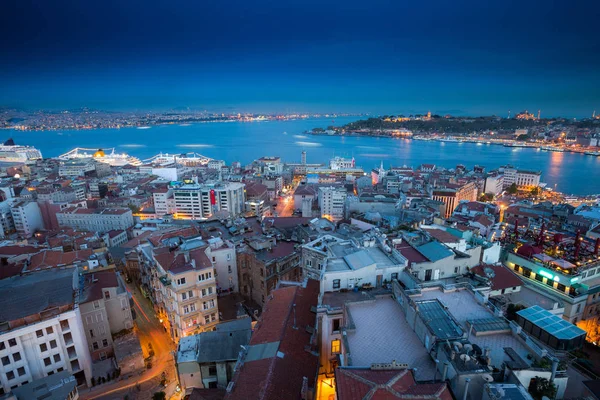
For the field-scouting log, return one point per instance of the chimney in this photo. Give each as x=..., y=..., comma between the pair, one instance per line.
x=577, y=244
x=467, y=380
x=597, y=247
x=445, y=373
x=554, y=368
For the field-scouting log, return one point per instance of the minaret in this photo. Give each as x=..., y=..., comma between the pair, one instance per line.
x=303, y=158
x=594, y=114
x=539, y=112
x=508, y=114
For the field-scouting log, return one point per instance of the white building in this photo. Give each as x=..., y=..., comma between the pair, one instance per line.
x=344, y=264
x=201, y=201
x=42, y=332
x=494, y=184
x=96, y=219
x=522, y=178
x=105, y=310
x=331, y=202
x=222, y=255
x=338, y=163
x=7, y=224
x=163, y=201
x=27, y=218
x=75, y=168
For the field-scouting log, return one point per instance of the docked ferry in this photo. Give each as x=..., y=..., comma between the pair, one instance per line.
x=108, y=156
x=13, y=153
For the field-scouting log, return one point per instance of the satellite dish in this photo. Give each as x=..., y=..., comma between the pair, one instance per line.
x=465, y=357
x=468, y=347
x=458, y=344
x=488, y=378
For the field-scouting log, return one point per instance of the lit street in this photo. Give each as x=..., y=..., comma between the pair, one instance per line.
x=142, y=386
x=285, y=207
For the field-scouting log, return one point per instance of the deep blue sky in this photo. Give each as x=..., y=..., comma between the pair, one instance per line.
x=311, y=55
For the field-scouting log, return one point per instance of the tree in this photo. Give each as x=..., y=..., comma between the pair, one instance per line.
x=540, y=387
x=487, y=197
x=159, y=396
x=512, y=309
x=535, y=191
x=512, y=189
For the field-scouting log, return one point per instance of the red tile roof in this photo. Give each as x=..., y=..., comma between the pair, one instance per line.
x=157, y=237
x=281, y=377
x=11, y=251
x=484, y=220
x=53, y=258
x=410, y=253
x=362, y=384
x=96, y=282
x=502, y=278
x=442, y=236
x=175, y=261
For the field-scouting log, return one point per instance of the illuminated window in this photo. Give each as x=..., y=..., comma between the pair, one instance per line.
x=335, y=347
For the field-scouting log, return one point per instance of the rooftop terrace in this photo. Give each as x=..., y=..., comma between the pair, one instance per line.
x=378, y=327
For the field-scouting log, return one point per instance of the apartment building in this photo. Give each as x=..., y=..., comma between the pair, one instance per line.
x=185, y=290
x=27, y=218
x=7, y=224
x=331, y=202
x=96, y=219
x=452, y=194
x=223, y=257
x=494, y=184
x=208, y=360
x=202, y=201
x=263, y=263
x=41, y=332
x=522, y=178
x=163, y=201
x=75, y=168
x=105, y=310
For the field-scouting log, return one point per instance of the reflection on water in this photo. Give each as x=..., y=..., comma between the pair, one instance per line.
x=244, y=142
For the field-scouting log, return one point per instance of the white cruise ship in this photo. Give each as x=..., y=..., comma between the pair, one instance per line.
x=187, y=159
x=108, y=156
x=12, y=153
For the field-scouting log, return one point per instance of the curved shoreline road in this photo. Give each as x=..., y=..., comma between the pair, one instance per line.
x=149, y=330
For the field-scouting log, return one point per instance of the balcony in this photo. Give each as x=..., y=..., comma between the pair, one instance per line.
x=71, y=353
x=68, y=338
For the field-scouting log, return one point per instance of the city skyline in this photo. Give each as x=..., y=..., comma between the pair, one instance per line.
x=382, y=58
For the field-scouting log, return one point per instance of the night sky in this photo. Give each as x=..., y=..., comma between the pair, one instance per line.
x=459, y=57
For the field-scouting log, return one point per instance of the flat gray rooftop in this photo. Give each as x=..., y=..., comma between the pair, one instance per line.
x=529, y=297
x=497, y=343
x=33, y=293
x=383, y=335
x=461, y=304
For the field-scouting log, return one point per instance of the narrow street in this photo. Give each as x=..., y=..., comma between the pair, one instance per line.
x=285, y=207
x=142, y=386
